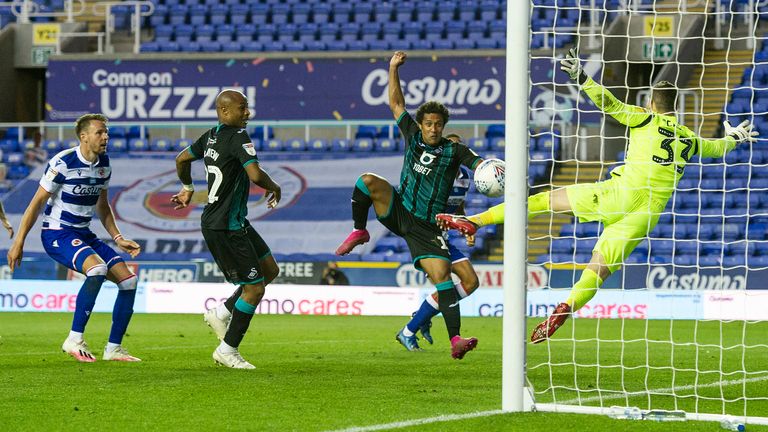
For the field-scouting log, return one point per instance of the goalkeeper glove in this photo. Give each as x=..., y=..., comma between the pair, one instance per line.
x=572, y=66
x=741, y=133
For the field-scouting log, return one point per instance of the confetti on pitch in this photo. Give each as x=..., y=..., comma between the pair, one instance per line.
x=454, y=72
x=230, y=62
x=434, y=58
x=118, y=61
x=257, y=61
x=200, y=68
x=265, y=82
x=295, y=60
x=337, y=116
x=300, y=87
x=83, y=87
x=281, y=68
x=310, y=67
x=174, y=70
x=48, y=107
x=498, y=107
x=495, y=72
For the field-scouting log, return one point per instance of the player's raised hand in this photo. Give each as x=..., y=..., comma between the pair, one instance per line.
x=182, y=199
x=273, y=196
x=744, y=132
x=398, y=59
x=128, y=246
x=571, y=64
x=15, y=253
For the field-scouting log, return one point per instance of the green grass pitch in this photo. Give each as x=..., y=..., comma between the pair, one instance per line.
x=330, y=373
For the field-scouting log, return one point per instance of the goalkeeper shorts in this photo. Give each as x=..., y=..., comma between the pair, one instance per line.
x=627, y=215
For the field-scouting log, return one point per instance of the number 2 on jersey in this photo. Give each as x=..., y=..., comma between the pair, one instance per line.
x=218, y=176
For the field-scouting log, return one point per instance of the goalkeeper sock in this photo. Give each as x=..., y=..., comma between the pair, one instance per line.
x=583, y=291
x=241, y=319
x=448, y=301
x=361, y=202
x=538, y=204
x=492, y=216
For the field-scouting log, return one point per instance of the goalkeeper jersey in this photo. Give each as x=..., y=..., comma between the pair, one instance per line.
x=659, y=147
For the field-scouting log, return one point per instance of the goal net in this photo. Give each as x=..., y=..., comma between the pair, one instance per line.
x=682, y=324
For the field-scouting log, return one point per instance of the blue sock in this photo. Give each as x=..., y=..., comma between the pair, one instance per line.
x=86, y=298
x=121, y=314
x=424, y=314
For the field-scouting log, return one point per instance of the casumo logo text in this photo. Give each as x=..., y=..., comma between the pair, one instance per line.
x=144, y=203
x=417, y=91
x=659, y=278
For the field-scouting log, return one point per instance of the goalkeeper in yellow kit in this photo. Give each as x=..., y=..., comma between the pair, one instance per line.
x=630, y=202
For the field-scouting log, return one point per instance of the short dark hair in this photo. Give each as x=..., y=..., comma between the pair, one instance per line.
x=664, y=95
x=432, y=107
x=85, y=120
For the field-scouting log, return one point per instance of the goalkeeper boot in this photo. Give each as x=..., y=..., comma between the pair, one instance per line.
x=409, y=342
x=354, y=239
x=218, y=325
x=459, y=223
x=549, y=326
x=119, y=354
x=231, y=359
x=79, y=350
x=461, y=346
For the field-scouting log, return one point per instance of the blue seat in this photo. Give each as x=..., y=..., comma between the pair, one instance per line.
x=259, y=13
x=258, y=132
x=489, y=10
x=433, y=30
x=366, y=131
x=190, y=47
x=245, y=33
x=210, y=46
x=454, y=30
x=441, y=44
x=561, y=246
x=138, y=144
x=161, y=144
x=425, y=13
x=328, y=32
x=422, y=44
x=321, y=12
x=387, y=144
x=295, y=144
x=238, y=14
x=280, y=13
x=363, y=145
x=318, y=145
x=158, y=17
x=118, y=145
x=52, y=146
x=204, y=33
x=341, y=12
x=497, y=30
x=225, y=33
x=361, y=12
x=402, y=45
x=495, y=130
x=231, y=46
x=467, y=10
x=383, y=12
x=266, y=33
x=307, y=32
x=287, y=32
x=486, y=43
x=476, y=30
x=497, y=144
x=478, y=144
x=404, y=13
x=9, y=146
x=218, y=14
x=177, y=14
x=273, y=144
x=369, y=31
x=341, y=145
x=163, y=33
x=181, y=143
x=198, y=14
x=315, y=46
x=412, y=31
x=150, y=47
x=300, y=12
x=349, y=32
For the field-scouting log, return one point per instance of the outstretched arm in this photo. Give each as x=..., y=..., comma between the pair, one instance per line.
x=734, y=135
x=396, y=98
x=626, y=114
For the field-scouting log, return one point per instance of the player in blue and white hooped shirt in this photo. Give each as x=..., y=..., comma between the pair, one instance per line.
x=73, y=188
x=460, y=266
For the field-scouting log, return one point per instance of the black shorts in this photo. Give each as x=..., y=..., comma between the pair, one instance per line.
x=424, y=239
x=238, y=253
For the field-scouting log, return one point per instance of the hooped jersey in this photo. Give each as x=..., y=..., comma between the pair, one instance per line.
x=659, y=147
x=75, y=185
x=226, y=151
x=428, y=172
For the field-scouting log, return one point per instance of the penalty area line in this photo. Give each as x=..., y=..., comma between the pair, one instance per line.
x=417, y=422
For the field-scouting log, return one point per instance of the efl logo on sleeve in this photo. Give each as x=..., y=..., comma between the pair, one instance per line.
x=248, y=147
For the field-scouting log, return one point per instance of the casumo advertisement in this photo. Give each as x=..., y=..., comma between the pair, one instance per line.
x=277, y=89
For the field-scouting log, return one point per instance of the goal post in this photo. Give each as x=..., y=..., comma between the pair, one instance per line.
x=681, y=325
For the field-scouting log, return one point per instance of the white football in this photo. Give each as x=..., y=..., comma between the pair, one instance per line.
x=489, y=178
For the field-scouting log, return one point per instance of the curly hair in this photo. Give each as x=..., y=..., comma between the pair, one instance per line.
x=85, y=120
x=432, y=108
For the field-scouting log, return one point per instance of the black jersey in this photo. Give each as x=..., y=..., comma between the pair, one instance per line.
x=226, y=151
x=428, y=172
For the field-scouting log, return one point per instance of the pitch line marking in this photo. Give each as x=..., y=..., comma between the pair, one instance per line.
x=422, y=421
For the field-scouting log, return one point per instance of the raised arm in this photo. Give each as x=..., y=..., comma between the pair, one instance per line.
x=396, y=98
x=717, y=148
x=626, y=114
